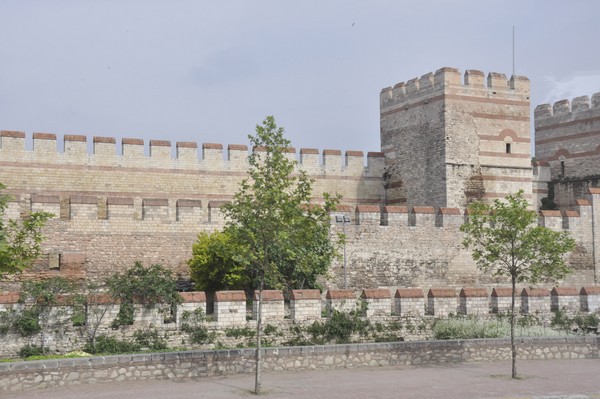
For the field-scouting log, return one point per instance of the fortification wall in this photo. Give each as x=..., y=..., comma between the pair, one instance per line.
x=114, y=209
x=386, y=247
x=448, y=142
x=567, y=137
x=422, y=246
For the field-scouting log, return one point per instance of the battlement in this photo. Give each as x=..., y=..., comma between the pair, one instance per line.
x=449, y=79
x=187, y=155
x=564, y=110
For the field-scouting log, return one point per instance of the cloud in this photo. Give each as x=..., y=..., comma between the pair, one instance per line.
x=577, y=84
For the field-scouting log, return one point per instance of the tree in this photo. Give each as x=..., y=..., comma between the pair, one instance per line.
x=213, y=266
x=46, y=302
x=506, y=241
x=144, y=285
x=281, y=235
x=20, y=240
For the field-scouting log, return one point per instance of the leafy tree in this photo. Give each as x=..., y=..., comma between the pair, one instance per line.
x=280, y=235
x=20, y=240
x=144, y=285
x=506, y=241
x=45, y=302
x=213, y=265
x=93, y=305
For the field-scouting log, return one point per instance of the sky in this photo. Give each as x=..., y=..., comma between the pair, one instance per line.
x=209, y=71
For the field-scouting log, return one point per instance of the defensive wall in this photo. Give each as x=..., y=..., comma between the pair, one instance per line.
x=446, y=140
x=20, y=376
x=567, y=140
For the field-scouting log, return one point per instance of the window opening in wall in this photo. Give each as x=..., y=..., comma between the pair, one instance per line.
x=562, y=168
x=508, y=148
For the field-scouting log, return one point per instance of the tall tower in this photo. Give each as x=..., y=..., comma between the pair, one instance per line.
x=567, y=137
x=448, y=143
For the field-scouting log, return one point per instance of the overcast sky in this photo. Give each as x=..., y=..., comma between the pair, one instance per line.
x=209, y=71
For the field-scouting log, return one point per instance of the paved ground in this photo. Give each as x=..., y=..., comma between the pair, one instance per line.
x=540, y=379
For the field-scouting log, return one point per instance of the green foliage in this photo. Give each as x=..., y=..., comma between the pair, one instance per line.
x=281, y=238
x=44, y=303
x=26, y=323
x=143, y=285
x=238, y=332
x=193, y=324
x=30, y=350
x=112, y=346
x=581, y=323
x=20, y=240
x=150, y=338
x=213, y=266
x=506, y=241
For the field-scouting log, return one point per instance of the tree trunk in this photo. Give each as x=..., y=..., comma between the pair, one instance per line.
x=257, y=377
x=513, y=348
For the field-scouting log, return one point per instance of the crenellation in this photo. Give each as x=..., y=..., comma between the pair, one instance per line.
x=475, y=78
x=237, y=155
x=44, y=143
x=160, y=149
x=426, y=83
x=354, y=161
x=596, y=100
x=368, y=215
x=104, y=151
x=561, y=107
x=212, y=155
x=497, y=81
x=133, y=149
x=520, y=84
x=12, y=141
x=332, y=161
x=422, y=216
x=75, y=148
x=186, y=153
x=581, y=103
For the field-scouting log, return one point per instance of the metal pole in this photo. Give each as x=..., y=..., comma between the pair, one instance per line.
x=344, y=232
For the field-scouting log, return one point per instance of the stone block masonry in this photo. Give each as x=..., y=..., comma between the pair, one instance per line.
x=567, y=138
x=449, y=142
x=22, y=376
x=447, y=138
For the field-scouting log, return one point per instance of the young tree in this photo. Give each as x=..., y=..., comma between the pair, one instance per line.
x=271, y=217
x=506, y=241
x=46, y=301
x=20, y=240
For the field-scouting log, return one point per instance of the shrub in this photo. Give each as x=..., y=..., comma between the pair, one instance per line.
x=30, y=350
x=150, y=338
x=193, y=324
x=112, y=346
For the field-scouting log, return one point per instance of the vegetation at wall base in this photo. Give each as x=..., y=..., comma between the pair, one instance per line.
x=193, y=323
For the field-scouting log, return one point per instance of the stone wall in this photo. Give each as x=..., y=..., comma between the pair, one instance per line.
x=114, y=208
x=567, y=138
x=21, y=376
x=449, y=142
x=231, y=312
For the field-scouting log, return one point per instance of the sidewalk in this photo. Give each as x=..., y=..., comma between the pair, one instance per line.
x=576, y=379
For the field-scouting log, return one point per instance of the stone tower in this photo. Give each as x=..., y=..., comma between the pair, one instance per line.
x=448, y=143
x=567, y=138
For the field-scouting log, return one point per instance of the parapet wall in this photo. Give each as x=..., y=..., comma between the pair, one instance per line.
x=418, y=89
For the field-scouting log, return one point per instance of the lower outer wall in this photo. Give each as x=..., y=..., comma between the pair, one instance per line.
x=181, y=365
